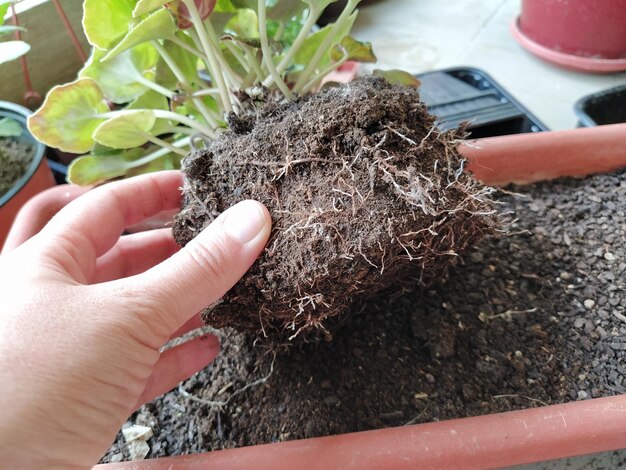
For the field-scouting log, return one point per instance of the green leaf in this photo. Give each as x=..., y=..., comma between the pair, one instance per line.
x=159, y=25
x=4, y=8
x=107, y=21
x=94, y=169
x=120, y=78
x=7, y=29
x=69, y=116
x=244, y=24
x=187, y=62
x=147, y=6
x=313, y=42
x=224, y=6
x=11, y=50
x=153, y=100
x=127, y=130
x=353, y=50
x=10, y=128
x=397, y=77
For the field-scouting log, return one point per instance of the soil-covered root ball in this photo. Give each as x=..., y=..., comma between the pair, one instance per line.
x=367, y=197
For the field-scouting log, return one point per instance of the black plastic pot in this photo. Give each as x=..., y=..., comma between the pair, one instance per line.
x=467, y=94
x=604, y=107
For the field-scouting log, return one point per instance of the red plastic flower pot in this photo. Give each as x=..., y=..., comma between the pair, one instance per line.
x=578, y=34
x=496, y=440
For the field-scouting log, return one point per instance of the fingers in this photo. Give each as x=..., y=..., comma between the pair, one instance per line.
x=179, y=363
x=89, y=226
x=38, y=211
x=206, y=268
x=134, y=254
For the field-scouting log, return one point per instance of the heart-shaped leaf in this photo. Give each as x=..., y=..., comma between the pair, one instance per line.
x=159, y=25
x=107, y=21
x=181, y=12
x=397, y=77
x=11, y=50
x=121, y=77
x=69, y=116
x=351, y=49
x=126, y=130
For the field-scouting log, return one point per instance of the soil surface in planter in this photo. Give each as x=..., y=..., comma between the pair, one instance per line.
x=366, y=195
x=15, y=158
x=535, y=316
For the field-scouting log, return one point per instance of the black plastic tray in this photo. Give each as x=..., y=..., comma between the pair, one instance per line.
x=456, y=95
x=604, y=107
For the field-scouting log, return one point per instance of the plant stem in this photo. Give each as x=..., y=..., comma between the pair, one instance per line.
x=235, y=80
x=180, y=76
x=237, y=54
x=155, y=86
x=305, y=77
x=164, y=144
x=311, y=19
x=216, y=74
x=159, y=153
x=319, y=77
x=205, y=92
x=254, y=63
x=176, y=40
x=267, y=53
x=172, y=116
x=280, y=31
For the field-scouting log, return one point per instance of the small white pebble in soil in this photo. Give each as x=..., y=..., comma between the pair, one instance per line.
x=136, y=437
x=582, y=395
x=582, y=377
x=565, y=276
x=589, y=304
x=518, y=353
x=609, y=256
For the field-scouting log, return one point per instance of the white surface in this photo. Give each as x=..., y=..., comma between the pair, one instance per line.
x=422, y=35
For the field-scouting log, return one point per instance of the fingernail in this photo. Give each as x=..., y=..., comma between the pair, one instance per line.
x=244, y=221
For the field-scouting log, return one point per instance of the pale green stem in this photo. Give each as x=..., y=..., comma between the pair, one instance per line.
x=188, y=48
x=254, y=63
x=235, y=80
x=295, y=47
x=319, y=77
x=205, y=92
x=216, y=74
x=305, y=77
x=238, y=55
x=181, y=130
x=267, y=53
x=164, y=144
x=180, y=76
x=162, y=114
x=155, y=86
x=159, y=153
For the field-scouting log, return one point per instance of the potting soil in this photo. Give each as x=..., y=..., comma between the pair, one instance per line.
x=533, y=316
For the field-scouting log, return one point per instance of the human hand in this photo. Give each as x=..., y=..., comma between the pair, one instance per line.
x=84, y=313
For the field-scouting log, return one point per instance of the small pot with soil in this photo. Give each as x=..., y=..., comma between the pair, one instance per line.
x=23, y=168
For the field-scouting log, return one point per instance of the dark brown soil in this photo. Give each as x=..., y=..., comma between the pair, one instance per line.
x=366, y=194
x=535, y=316
x=15, y=158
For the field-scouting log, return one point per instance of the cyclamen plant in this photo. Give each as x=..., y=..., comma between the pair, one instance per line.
x=164, y=75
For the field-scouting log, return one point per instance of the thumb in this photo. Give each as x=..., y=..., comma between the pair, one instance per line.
x=208, y=266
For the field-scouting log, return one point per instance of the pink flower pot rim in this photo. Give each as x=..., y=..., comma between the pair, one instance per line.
x=570, y=61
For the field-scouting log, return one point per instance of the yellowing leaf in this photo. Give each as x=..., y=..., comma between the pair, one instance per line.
x=126, y=130
x=397, y=77
x=69, y=115
x=352, y=49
